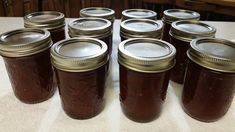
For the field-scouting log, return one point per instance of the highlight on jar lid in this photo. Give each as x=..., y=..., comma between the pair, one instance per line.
x=138, y=13
x=24, y=42
x=45, y=19
x=99, y=12
x=187, y=30
x=92, y=27
x=213, y=53
x=79, y=54
x=136, y=28
x=172, y=15
x=146, y=55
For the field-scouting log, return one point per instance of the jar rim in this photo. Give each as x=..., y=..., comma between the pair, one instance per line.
x=134, y=32
x=159, y=61
x=96, y=32
x=168, y=17
x=29, y=47
x=220, y=56
x=82, y=63
x=182, y=30
x=109, y=15
x=50, y=23
x=126, y=15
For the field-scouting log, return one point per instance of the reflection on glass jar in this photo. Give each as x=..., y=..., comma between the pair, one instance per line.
x=172, y=15
x=210, y=79
x=138, y=14
x=26, y=54
x=144, y=77
x=50, y=20
x=99, y=12
x=140, y=28
x=80, y=65
x=182, y=32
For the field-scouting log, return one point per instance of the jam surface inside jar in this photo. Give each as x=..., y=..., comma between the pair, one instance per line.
x=93, y=28
x=172, y=15
x=50, y=20
x=144, y=77
x=80, y=66
x=210, y=80
x=182, y=32
x=29, y=69
x=140, y=28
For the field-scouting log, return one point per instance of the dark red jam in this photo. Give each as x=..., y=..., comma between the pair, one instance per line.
x=31, y=77
x=144, y=77
x=210, y=79
x=165, y=32
x=207, y=94
x=80, y=65
x=57, y=34
x=82, y=92
x=142, y=94
x=178, y=71
x=26, y=54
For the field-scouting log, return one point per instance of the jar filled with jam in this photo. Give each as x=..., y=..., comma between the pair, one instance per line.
x=138, y=14
x=79, y=64
x=50, y=20
x=172, y=15
x=26, y=54
x=140, y=28
x=182, y=32
x=144, y=71
x=210, y=79
x=99, y=12
x=92, y=28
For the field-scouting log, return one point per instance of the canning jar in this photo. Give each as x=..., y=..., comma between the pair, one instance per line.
x=100, y=12
x=210, y=79
x=138, y=14
x=79, y=64
x=50, y=20
x=140, y=28
x=93, y=28
x=172, y=15
x=182, y=32
x=26, y=54
x=144, y=77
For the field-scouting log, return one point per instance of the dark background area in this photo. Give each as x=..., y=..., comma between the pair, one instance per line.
x=212, y=12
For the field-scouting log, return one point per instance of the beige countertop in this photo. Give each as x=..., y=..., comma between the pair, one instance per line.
x=48, y=116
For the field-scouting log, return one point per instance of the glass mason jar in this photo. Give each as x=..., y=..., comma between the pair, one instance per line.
x=26, y=54
x=99, y=12
x=93, y=28
x=144, y=77
x=172, y=15
x=210, y=79
x=138, y=14
x=50, y=20
x=140, y=28
x=79, y=64
x=182, y=32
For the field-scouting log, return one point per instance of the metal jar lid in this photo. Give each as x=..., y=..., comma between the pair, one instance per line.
x=212, y=53
x=139, y=14
x=79, y=54
x=24, y=42
x=146, y=55
x=90, y=27
x=99, y=12
x=187, y=30
x=172, y=15
x=141, y=28
x=46, y=19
